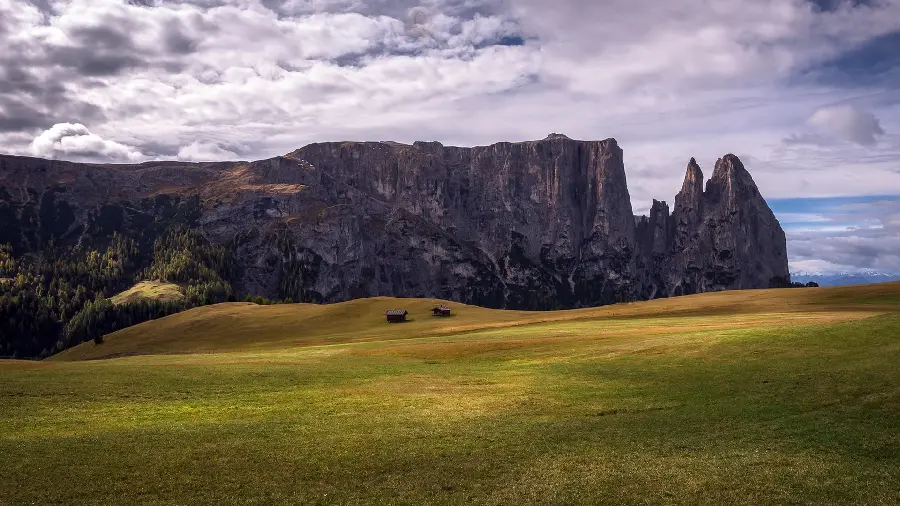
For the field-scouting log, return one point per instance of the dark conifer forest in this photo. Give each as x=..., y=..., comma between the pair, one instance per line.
x=59, y=297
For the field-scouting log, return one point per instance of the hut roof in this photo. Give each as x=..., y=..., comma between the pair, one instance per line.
x=396, y=312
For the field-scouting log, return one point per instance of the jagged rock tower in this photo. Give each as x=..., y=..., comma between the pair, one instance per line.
x=723, y=238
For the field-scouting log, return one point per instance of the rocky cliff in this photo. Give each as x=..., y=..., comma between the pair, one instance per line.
x=537, y=225
x=723, y=238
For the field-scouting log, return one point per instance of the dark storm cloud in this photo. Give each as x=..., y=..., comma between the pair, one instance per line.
x=28, y=102
x=45, y=6
x=285, y=7
x=225, y=149
x=206, y=4
x=14, y=79
x=178, y=40
x=39, y=80
x=505, y=40
x=876, y=62
x=158, y=149
x=107, y=46
x=239, y=148
x=833, y=5
x=357, y=60
x=101, y=37
x=109, y=50
x=398, y=9
x=866, y=249
x=514, y=40
x=16, y=116
x=87, y=62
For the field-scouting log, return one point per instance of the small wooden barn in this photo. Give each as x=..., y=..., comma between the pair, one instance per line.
x=440, y=311
x=396, y=315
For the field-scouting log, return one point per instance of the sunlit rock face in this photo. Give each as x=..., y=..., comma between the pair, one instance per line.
x=532, y=225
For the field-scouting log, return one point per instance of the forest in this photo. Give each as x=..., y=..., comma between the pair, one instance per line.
x=60, y=298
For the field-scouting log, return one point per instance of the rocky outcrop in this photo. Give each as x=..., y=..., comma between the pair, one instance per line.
x=535, y=225
x=725, y=237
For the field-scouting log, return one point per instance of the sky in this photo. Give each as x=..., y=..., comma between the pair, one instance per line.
x=805, y=92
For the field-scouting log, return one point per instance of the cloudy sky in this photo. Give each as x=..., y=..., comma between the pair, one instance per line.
x=806, y=92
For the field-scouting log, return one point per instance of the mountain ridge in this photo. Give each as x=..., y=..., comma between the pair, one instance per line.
x=530, y=225
x=844, y=278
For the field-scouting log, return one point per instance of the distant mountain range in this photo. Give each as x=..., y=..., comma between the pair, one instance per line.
x=861, y=277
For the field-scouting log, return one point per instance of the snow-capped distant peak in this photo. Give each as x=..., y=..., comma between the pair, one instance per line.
x=856, y=277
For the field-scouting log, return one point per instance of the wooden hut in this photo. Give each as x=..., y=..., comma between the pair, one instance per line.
x=396, y=315
x=440, y=311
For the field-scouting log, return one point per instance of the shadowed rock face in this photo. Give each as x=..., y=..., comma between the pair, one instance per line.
x=723, y=238
x=536, y=225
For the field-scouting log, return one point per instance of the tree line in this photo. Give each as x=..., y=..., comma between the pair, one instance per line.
x=60, y=298
x=780, y=282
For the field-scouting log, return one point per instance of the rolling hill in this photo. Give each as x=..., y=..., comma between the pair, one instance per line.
x=787, y=396
x=246, y=326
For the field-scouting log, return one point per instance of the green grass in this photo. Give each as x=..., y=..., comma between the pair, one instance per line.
x=766, y=397
x=149, y=290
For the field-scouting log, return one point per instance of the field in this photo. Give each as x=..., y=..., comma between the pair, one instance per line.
x=149, y=290
x=785, y=396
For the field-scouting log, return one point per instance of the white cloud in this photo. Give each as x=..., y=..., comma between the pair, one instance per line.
x=74, y=141
x=847, y=123
x=819, y=266
x=200, y=151
x=804, y=218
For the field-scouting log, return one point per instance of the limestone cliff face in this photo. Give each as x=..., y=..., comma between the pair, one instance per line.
x=723, y=238
x=536, y=225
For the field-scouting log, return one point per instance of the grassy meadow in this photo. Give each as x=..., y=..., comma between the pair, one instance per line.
x=785, y=396
x=149, y=290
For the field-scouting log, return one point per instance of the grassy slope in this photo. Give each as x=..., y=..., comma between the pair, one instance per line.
x=149, y=290
x=771, y=397
x=246, y=326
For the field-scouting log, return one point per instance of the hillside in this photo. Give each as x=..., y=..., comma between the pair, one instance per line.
x=246, y=326
x=784, y=396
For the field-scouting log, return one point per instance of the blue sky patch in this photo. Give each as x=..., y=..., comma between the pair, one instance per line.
x=511, y=40
x=833, y=5
x=875, y=62
x=506, y=40
x=832, y=214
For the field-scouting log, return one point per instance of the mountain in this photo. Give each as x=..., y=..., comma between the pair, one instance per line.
x=530, y=225
x=724, y=237
x=844, y=278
